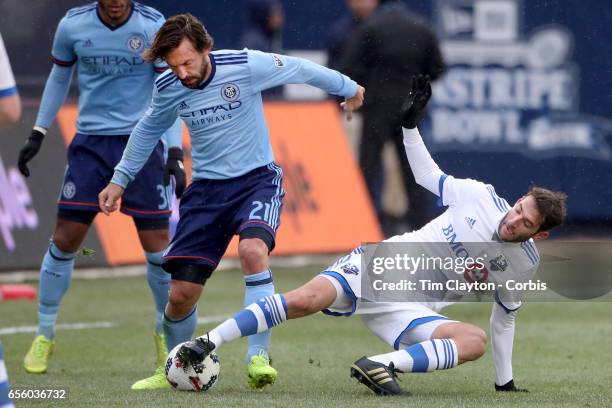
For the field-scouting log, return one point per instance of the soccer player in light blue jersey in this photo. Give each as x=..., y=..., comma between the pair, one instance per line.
x=103, y=40
x=237, y=187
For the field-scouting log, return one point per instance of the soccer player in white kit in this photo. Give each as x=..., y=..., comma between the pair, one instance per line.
x=424, y=340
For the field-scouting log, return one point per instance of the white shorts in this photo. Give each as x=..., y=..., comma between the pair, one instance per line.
x=399, y=324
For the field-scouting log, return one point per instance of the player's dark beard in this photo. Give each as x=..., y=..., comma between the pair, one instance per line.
x=194, y=81
x=518, y=238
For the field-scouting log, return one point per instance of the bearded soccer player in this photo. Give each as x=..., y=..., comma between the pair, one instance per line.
x=237, y=187
x=103, y=40
x=424, y=339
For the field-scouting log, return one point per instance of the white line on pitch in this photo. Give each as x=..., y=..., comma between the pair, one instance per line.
x=63, y=326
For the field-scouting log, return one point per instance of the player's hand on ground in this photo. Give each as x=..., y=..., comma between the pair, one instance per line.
x=509, y=387
x=109, y=197
x=193, y=352
x=414, y=105
x=174, y=167
x=29, y=150
x=354, y=103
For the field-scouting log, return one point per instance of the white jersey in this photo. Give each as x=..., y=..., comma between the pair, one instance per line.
x=7, y=81
x=471, y=220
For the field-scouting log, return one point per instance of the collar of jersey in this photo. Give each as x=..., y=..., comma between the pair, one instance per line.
x=213, y=70
x=110, y=27
x=498, y=221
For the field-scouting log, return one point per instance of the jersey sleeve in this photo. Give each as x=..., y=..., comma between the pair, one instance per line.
x=502, y=342
x=160, y=116
x=62, y=52
x=270, y=70
x=452, y=190
x=159, y=65
x=7, y=80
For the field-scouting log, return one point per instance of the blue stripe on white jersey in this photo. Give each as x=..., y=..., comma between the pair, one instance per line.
x=500, y=203
x=531, y=251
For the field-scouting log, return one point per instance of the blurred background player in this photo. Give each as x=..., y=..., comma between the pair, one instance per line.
x=424, y=339
x=10, y=112
x=385, y=52
x=264, y=29
x=104, y=40
x=237, y=187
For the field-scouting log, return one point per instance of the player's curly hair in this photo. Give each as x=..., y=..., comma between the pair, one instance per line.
x=173, y=31
x=552, y=206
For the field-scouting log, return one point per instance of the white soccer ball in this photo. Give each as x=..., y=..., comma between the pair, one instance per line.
x=187, y=378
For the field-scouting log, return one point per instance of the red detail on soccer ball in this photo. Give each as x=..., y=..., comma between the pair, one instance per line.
x=475, y=274
x=196, y=382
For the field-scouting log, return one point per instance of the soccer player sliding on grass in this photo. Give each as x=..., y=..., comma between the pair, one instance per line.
x=424, y=340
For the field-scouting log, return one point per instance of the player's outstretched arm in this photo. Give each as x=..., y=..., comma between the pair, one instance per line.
x=502, y=340
x=270, y=70
x=426, y=171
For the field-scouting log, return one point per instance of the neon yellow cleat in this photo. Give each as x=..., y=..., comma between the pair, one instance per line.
x=156, y=382
x=161, y=349
x=37, y=359
x=261, y=373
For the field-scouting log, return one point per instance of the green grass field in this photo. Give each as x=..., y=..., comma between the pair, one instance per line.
x=563, y=354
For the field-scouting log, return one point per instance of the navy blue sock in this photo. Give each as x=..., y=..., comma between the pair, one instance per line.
x=55, y=277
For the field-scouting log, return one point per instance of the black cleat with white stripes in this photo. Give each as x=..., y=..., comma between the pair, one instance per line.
x=378, y=377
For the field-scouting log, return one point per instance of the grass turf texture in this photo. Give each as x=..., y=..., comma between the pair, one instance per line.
x=562, y=354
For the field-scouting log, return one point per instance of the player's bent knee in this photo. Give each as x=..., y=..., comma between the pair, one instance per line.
x=182, y=298
x=253, y=254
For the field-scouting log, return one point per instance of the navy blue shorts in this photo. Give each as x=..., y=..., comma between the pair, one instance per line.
x=213, y=211
x=91, y=163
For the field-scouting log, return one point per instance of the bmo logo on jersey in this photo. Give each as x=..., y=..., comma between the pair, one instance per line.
x=456, y=246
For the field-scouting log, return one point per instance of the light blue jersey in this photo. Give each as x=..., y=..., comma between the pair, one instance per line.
x=225, y=117
x=115, y=83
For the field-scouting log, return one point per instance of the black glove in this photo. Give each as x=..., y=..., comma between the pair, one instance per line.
x=414, y=105
x=27, y=152
x=509, y=387
x=194, y=352
x=174, y=167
